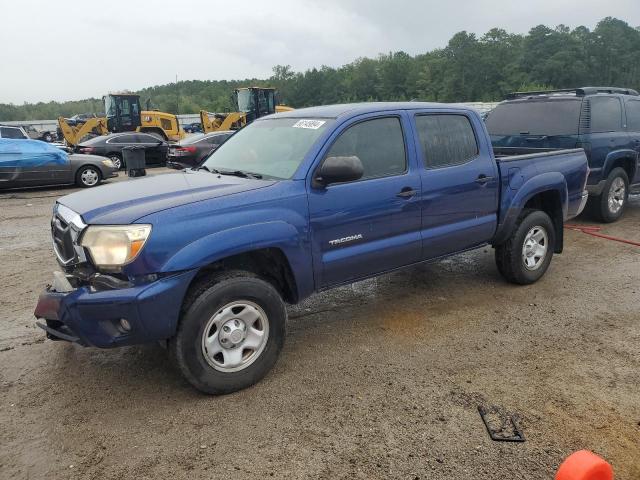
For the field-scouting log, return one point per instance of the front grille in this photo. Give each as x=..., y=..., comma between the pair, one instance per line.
x=66, y=226
x=62, y=239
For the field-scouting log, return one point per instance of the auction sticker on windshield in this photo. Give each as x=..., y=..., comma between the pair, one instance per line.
x=312, y=124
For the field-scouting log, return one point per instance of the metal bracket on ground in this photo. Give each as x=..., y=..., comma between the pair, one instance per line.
x=498, y=435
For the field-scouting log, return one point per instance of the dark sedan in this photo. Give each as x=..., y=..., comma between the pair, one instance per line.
x=111, y=146
x=193, y=150
x=31, y=163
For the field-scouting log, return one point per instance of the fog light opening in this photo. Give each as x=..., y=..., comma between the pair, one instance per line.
x=125, y=325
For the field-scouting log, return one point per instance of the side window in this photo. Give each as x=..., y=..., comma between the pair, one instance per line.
x=606, y=114
x=125, y=108
x=146, y=138
x=378, y=143
x=9, y=132
x=633, y=115
x=124, y=139
x=446, y=140
x=166, y=124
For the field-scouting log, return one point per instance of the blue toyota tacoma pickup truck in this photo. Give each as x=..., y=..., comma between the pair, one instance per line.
x=206, y=259
x=605, y=121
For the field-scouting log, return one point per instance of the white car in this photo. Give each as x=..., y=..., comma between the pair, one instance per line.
x=17, y=133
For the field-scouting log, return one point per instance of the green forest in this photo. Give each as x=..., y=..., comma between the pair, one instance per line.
x=469, y=68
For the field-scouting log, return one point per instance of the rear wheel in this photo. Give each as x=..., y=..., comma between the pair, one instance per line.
x=117, y=160
x=231, y=332
x=88, y=176
x=525, y=257
x=609, y=206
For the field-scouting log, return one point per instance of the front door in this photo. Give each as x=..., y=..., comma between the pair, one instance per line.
x=460, y=182
x=371, y=225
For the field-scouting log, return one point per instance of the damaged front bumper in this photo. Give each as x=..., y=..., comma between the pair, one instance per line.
x=111, y=317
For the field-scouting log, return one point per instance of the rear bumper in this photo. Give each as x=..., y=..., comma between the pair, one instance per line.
x=93, y=318
x=577, y=204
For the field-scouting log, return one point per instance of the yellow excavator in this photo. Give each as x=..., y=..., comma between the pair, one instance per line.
x=252, y=103
x=123, y=114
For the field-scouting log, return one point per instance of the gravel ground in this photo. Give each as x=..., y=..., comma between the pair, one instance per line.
x=380, y=379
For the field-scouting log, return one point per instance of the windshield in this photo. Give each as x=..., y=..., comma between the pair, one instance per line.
x=548, y=117
x=272, y=148
x=110, y=106
x=245, y=101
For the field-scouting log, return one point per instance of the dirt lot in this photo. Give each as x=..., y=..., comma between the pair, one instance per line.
x=380, y=379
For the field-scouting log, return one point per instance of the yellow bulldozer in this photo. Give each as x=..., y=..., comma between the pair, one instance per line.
x=252, y=103
x=123, y=114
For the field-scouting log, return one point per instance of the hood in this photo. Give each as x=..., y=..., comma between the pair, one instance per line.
x=126, y=201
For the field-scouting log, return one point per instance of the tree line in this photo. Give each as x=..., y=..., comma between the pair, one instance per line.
x=469, y=68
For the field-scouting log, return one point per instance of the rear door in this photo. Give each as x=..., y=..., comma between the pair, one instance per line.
x=607, y=132
x=460, y=183
x=633, y=130
x=154, y=148
x=371, y=225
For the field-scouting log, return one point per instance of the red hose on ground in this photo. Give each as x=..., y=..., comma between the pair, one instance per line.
x=595, y=231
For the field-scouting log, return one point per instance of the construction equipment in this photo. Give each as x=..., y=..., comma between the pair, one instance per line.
x=251, y=102
x=123, y=114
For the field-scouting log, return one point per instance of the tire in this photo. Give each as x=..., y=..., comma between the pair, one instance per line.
x=610, y=204
x=116, y=158
x=88, y=176
x=517, y=262
x=208, y=310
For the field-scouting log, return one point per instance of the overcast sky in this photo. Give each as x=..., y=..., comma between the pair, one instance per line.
x=74, y=50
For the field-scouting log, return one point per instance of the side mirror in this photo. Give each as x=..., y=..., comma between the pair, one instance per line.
x=337, y=170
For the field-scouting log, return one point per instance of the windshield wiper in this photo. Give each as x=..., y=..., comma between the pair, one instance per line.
x=207, y=169
x=240, y=173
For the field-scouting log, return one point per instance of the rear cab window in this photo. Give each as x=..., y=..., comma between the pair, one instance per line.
x=446, y=139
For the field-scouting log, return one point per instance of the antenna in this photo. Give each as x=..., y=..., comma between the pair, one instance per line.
x=177, y=96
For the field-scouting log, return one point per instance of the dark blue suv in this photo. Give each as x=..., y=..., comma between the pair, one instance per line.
x=605, y=121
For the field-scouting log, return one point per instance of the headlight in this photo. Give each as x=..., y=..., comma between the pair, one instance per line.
x=114, y=246
x=108, y=163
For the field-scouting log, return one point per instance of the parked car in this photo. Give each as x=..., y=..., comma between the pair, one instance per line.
x=292, y=204
x=29, y=163
x=605, y=121
x=192, y=150
x=35, y=134
x=195, y=127
x=10, y=131
x=111, y=146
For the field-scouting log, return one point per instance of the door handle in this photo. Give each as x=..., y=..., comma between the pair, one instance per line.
x=406, y=192
x=482, y=179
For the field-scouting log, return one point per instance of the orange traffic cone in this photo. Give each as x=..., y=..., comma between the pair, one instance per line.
x=584, y=465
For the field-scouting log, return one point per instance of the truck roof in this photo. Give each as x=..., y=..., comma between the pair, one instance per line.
x=353, y=109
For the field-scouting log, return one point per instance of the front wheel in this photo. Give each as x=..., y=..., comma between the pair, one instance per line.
x=88, y=176
x=526, y=255
x=231, y=332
